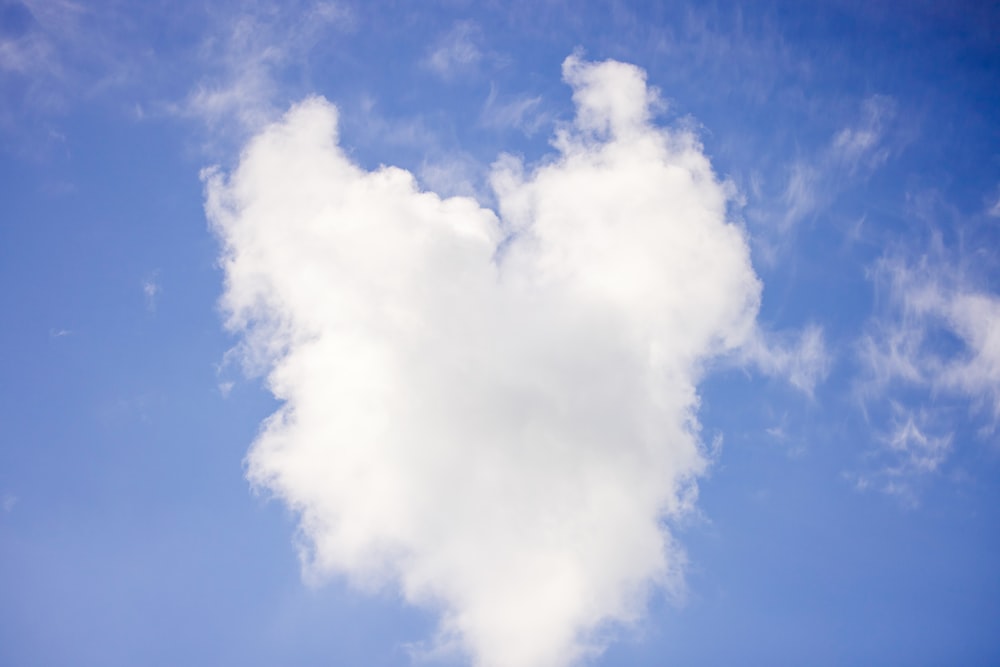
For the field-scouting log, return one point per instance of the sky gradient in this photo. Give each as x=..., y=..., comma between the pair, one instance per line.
x=502, y=334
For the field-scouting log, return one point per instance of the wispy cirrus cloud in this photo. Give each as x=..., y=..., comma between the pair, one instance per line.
x=861, y=146
x=522, y=112
x=53, y=55
x=244, y=60
x=809, y=185
x=801, y=358
x=909, y=451
x=941, y=332
x=935, y=340
x=457, y=52
x=853, y=152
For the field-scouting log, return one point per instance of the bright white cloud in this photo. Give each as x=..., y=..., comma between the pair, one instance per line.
x=496, y=414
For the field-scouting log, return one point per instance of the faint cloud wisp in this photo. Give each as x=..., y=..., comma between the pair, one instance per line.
x=456, y=53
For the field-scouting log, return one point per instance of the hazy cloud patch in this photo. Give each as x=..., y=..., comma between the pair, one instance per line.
x=862, y=145
x=151, y=290
x=245, y=60
x=8, y=502
x=522, y=112
x=799, y=357
x=456, y=53
x=912, y=448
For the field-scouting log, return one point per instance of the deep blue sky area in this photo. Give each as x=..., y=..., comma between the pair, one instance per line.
x=849, y=511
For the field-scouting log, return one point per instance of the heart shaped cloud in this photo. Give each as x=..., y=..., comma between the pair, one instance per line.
x=495, y=413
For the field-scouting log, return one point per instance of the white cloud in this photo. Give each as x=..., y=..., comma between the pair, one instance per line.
x=927, y=301
x=495, y=414
x=975, y=318
x=936, y=340
x=917, y=451
x=456, y=53
x=245, y=88
x=803, y=359
x=8, y=503
x=908, y=452
x=244, y=61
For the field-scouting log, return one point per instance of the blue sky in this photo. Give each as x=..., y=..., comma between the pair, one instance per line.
x=594, y=333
